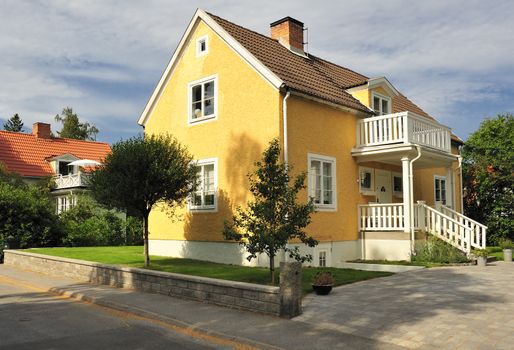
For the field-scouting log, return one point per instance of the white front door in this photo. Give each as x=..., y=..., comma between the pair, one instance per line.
x=383, y=188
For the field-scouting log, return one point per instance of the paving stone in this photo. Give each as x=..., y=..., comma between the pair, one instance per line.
x=439, y=308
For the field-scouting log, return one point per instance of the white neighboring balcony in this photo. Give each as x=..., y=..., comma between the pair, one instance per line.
x=403, y=128
x=71, y=180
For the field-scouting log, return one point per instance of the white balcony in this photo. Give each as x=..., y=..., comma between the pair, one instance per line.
x=403, y=128
x=71, y=180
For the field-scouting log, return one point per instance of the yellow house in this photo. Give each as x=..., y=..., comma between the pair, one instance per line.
x=380, y=169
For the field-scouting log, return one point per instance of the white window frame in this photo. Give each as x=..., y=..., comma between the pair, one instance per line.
x=444, y=200
x=206, y=208
x=310, y=187
x=367, y=191
x=381, y=97
x=199, y=52
x=190, y=86
x=325, y=253
x=397, y=193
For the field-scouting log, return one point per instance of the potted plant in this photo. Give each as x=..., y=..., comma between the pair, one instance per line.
x=323, y=282
x=481, y=255
x=507, y=245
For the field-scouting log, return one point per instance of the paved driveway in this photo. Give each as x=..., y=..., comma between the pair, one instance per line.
x=466, y=307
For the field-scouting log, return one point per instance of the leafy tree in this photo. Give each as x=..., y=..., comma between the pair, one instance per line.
x=14, y=124
x=274, y=217
x=72, y=128
x=488, y=172
x=141, y=172
x=28, y=216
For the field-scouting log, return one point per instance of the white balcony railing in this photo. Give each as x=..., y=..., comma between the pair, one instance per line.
x=72, y=180
x=404, y=127
x=381, y=217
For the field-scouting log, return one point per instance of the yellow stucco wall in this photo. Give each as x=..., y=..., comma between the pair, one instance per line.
x=319, y=129
x=424, y=188
x=248, y=110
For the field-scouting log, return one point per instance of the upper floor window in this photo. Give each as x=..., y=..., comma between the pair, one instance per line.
x=322, y=181
x=440, y=189
x=204, y=198
x=65, y=169
x=202, y=46
x=381, y=104
x=203, y=95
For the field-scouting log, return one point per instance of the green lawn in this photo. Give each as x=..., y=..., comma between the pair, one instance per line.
x=496, y=251
x=133, y=256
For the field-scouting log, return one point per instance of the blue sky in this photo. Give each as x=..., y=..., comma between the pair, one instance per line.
x=103, y=58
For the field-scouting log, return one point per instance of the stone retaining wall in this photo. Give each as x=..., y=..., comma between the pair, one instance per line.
x=282, y=301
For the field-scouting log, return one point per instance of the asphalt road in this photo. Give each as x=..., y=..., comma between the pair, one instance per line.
x=32, y=319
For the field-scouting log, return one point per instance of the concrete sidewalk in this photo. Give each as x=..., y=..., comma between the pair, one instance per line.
x=248, y=329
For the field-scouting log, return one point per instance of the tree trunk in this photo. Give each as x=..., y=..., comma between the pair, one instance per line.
x=145, y=237
x=272, y=268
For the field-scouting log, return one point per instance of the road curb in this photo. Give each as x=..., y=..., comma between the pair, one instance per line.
x=247, y=343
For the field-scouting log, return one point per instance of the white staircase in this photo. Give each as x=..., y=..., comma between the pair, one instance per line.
x=450, y=226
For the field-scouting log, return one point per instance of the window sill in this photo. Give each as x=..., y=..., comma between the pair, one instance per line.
x=203, y=210
x=202, y=120
x=319, y=207
x=368, y=193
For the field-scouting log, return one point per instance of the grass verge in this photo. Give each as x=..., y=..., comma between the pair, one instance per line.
x=133, y=257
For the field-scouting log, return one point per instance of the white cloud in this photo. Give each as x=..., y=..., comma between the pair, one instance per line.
x=440, y=54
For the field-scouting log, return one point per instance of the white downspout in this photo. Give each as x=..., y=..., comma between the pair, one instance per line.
x=411, y=204
x=286, y=149
x=284, y=118
x=461, y=187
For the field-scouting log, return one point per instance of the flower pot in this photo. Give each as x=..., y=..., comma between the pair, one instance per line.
x=322, y=290
x=507, y=255
x=481, y=261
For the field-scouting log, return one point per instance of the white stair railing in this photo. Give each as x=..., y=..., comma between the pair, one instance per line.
x=479, y=231
x=448, y=229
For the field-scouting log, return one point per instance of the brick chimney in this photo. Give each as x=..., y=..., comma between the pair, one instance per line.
x=289, y=32
x=41, y=130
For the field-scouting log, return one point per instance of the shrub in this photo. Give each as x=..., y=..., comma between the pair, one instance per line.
x=434, y=250
x=323, y=278
x=133, y=231
x=481, y=252
x=506, y=244
x=89, y=224
x=28, y=217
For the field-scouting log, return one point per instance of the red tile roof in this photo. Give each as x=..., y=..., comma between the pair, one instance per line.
x=27, y=154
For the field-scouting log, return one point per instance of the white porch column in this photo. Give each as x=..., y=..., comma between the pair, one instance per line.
x=407, y=195
x=450, y=187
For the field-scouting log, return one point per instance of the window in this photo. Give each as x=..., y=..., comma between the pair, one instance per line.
x=440, y=189
x=398, y=185
x=366, y=180
x=204, y=198
x=381, y=104
x=322, y=181
x=65, y=203
x=203, y=99
x=64, y=169
x=202, y=47
x=322, y=258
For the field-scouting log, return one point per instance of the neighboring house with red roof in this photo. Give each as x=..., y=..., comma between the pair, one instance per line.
x=381, y=171
x=39, y=155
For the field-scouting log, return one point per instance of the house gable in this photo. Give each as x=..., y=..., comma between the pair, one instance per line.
x=202, y=16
